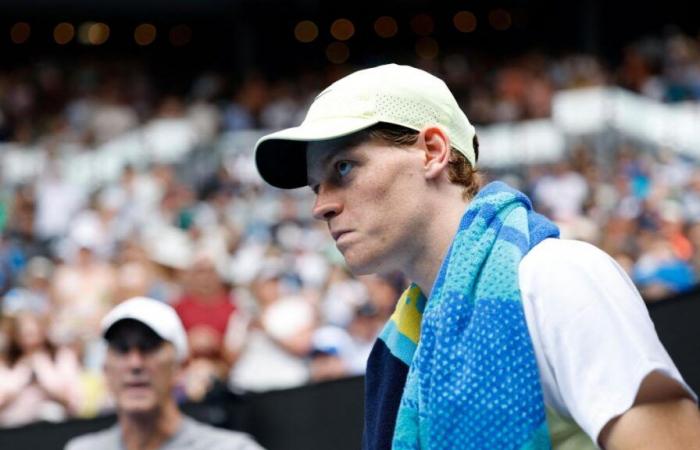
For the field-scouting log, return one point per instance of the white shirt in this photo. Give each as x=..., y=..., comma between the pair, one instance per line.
x=591, y=332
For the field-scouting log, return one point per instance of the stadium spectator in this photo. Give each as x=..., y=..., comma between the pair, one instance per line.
x=83, y=290
x=147, y=344
x=32, y=293
x=206, y=309
x=279, y=338
x=41, y=381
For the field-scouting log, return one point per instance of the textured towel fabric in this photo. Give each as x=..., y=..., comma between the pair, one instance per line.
x=473, y=381
x=387, y=368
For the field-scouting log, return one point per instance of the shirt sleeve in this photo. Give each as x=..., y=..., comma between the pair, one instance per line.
x=595, y=332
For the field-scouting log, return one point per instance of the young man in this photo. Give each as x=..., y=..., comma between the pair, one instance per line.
x=146, y=346
x=508, y=337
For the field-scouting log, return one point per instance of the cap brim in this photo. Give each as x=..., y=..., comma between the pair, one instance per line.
x=281, y=156
x=109, y=326
x=107, y=333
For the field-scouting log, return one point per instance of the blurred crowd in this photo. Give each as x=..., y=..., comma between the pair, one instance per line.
x=264, y=295
x=89, y=101
x=262, y=292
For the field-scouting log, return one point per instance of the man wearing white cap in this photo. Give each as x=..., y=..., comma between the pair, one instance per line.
x=146, y=346
x=508, y=337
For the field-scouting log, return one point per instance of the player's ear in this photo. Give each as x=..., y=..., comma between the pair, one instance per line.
x=436, y=145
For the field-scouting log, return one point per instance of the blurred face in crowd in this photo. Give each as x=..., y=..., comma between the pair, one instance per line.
x=202, y=278
x=29, y=334
x=370, y=196
x=85, y=256
x=141, y=368
x=266, y=291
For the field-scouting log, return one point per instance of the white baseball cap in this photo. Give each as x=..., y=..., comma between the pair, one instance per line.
x=394, y=94
x=156, y=315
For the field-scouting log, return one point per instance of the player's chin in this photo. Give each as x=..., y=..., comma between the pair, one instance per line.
x=362, y=264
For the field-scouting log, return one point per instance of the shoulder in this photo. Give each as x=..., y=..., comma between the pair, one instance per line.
x=559, y=262
x=563, y=253
x=213, y=438
x=573, y=275
x=105, y=440
x=591, y=332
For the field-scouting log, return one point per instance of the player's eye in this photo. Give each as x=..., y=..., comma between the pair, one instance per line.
x=343, y=168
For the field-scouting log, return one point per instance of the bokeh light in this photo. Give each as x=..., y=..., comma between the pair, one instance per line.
x=386, y=27
x=342, y=29
x=427, y=48
x=83, y=32
x=306, y=31
x=20, y=32
x=93, y=33
x=145, y=34
x=180, y=35
x=465, y=21
x=337, y=52
x=63, y=33
x=422, y=24
x=98, y=33
x=500, y=19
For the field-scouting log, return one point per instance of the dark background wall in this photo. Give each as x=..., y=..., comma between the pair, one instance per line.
x=317, y=417
x=677, y=322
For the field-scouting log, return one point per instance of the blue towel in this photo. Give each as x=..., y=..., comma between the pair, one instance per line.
x=473, y=382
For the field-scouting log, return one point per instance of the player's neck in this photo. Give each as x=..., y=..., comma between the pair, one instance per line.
x=441, y=230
